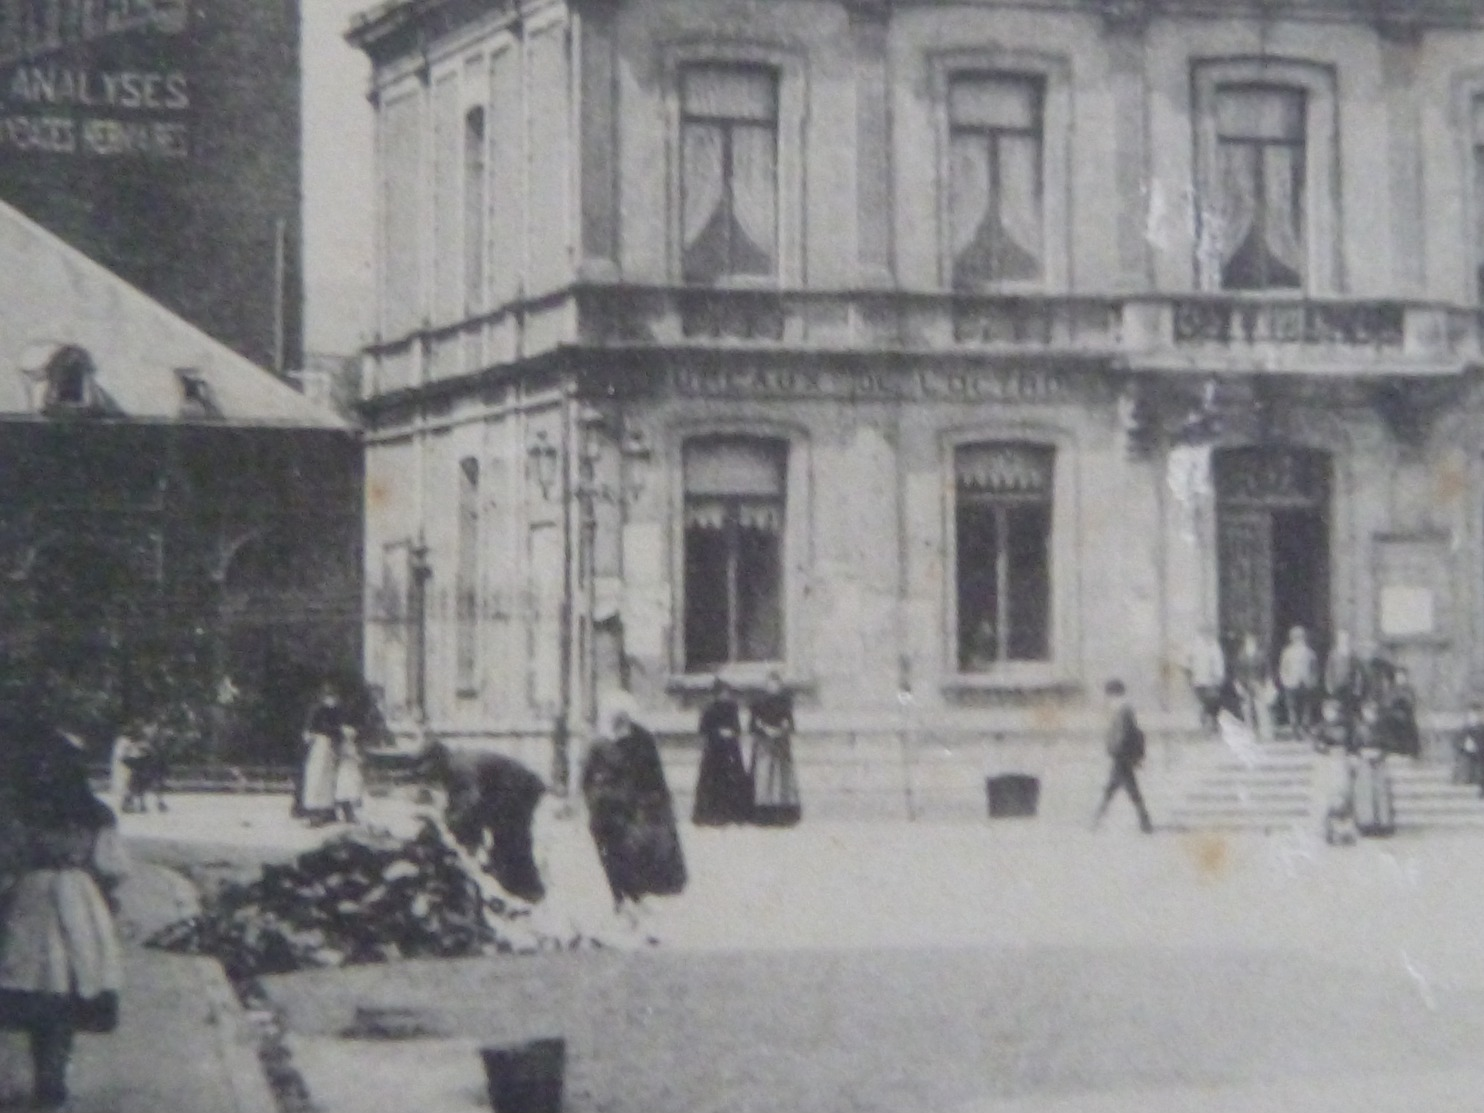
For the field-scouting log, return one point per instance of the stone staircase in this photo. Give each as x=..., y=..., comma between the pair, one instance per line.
x=1282, y=784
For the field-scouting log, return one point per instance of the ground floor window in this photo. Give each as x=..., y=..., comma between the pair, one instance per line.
x=1002, y=510
x=734, y=529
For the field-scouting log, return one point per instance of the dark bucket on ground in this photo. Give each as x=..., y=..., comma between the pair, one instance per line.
x=526, y=1078
x=1012, y=795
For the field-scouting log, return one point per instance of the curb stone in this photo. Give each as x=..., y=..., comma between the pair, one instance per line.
x=237, y=1041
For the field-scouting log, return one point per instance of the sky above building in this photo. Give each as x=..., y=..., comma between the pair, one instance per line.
x=338, y=181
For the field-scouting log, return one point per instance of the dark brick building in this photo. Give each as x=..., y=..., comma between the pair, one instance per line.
x=179, y=529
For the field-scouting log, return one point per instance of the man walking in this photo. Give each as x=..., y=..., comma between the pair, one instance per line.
x=1125, y=742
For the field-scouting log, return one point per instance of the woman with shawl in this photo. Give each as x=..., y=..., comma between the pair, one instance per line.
x=60, y=961
x=630, y=814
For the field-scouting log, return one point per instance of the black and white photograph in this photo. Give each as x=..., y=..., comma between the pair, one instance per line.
x=742, y=556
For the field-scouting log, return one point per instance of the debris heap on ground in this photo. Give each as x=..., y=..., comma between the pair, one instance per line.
x=360, y=898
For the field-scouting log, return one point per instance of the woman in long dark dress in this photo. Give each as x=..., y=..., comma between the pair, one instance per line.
x=630, y=813
x=775, y=786
x=723, y=788
x=60, y=961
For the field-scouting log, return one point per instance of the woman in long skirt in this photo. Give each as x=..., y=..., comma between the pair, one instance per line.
x=775, y=786
x=60, y=961
x=630, y=813
x=322, y=738
x=723, y=788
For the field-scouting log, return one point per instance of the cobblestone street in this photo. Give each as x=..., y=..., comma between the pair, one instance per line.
x=960, y=968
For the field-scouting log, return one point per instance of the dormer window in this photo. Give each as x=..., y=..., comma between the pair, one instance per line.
x=196, y=399
x=64, y=377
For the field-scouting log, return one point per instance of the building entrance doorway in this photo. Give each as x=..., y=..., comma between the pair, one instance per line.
x=1273, y=548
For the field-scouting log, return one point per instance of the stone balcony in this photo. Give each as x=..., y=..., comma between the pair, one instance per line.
x=1200, y=333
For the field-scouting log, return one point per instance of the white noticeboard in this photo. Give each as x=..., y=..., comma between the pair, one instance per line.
x=1408, y=611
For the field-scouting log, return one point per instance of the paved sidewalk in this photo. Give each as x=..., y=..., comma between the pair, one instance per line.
x=183, y=1044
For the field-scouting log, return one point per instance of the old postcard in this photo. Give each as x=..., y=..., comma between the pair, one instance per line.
x=660, y=556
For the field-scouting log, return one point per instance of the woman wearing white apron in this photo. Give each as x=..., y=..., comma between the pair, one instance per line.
x=322, y=739
x=61, y=967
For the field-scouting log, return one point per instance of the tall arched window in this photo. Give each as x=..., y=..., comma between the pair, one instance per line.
x=475, y=205
x=735, y=517
x=466, y=580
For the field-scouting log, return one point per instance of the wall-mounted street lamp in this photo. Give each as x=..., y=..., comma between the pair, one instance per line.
x=636, y=453
x=634, y=456
x=545, y=459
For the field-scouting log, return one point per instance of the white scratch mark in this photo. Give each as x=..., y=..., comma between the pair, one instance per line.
x=1293, y=849
x=1424, y=986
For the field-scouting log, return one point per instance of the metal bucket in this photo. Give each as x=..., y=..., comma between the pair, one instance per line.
x=526, y=1078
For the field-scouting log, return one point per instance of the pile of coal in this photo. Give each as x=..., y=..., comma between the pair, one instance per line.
x=357, y=899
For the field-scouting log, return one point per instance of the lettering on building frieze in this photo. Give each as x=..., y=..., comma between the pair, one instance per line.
x=921, y=385
x=1362, y=324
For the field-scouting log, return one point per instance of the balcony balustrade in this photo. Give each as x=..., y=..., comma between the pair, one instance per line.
x=1202, y=333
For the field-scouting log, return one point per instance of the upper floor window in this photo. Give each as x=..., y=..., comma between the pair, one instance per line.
x=728, y=172
x=1478, y=167
x=466, y=579
x=1259, y=187
x=475, y=206
x=996, y=180
x=734, y=523
x=1002, y=510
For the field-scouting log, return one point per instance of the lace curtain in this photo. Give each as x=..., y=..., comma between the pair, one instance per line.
x=1260, y=172
x=729, y=172
x=995, y=187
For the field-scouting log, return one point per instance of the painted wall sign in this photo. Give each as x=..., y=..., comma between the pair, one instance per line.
x=924, y=385
x=95, y=78
x=161, y=137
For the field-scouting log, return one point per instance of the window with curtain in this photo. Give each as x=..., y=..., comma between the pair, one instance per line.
x=734, y=523
x=474, y=208
x=728, y=172
x=1259, y=189
x=466, y=579
x=995, y=180
x=1478, y=150
x=1003, y=517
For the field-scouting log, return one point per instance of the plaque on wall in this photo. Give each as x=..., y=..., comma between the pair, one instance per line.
x=1414, y=595
x=1408, y=612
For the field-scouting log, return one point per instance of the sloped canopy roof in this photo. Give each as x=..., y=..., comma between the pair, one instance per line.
x=146, y=363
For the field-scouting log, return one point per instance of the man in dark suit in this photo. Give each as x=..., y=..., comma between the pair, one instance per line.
x=1125, y=744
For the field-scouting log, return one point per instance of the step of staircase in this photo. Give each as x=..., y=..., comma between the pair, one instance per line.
x=1278, y=784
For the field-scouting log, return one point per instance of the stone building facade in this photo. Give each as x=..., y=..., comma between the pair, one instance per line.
x=950, y=356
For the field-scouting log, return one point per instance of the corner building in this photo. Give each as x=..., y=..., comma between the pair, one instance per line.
x=950, y=356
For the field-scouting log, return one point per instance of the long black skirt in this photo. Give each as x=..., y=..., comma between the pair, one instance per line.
x=723, y=788
x=639, y=847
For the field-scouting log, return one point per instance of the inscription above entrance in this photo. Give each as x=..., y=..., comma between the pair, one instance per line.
x=929, y=385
